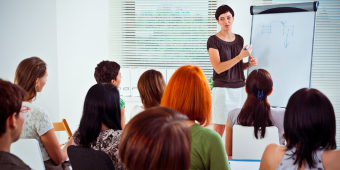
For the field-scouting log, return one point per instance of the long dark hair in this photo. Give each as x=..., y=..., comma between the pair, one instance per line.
x=309, y=124
x=256, y=110
x=101, y=106
x=27, y=73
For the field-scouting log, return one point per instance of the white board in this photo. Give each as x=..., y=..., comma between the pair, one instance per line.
x=283, y=44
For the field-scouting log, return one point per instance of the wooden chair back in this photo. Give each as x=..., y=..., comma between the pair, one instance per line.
x=62, y=126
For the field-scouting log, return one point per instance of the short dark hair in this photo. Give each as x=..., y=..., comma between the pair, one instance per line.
x=256, y=110
x=151, y=87
x=309, y=123
x=223, y=9
x=106, y=71
x=157, y=138
x=101, y=106
x=27, y=73
x=11, y=96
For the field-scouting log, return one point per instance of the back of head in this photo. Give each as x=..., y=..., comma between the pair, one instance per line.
x=106, y=71
x=256, y=109
x=101, y=106
x=151, y=87
x=11, y=96
x=188, y=92
x=27, y=73
x=157, y=138
x=309, y=124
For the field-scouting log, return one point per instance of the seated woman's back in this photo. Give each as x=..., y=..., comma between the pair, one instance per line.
x=188, y=92
x=309, y=126
x=256, y=110
x=100, y=125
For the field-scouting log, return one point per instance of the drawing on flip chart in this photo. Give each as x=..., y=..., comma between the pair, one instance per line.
x=286, y=30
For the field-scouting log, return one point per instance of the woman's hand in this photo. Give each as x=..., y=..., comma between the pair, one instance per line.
x=244, y=53
x=252, y=61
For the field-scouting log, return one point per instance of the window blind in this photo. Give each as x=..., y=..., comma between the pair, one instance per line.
x=161, y=34
x=326, y=57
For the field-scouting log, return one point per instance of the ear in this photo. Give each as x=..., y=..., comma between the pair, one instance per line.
x=12, y=121
x=36, y=81
x=270, y=92
x=112, y=81
x=245, y=87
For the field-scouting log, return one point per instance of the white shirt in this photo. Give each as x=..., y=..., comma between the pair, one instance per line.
x=37, y=123
x=135, y=110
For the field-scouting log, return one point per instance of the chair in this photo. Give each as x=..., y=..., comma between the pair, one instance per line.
x=82, y=158
x=28, y=151
x=62, y=126
x=246, y=146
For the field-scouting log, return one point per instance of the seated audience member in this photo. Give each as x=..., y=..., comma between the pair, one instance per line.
x=256, y=110
x=188, y=92
x=100, y=127
x=157, y=138
x=11, y=122
x=31, y=75
x=151, y=86
x=109, y=72
x=309, y=125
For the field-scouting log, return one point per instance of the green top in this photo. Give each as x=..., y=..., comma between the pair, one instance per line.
x=207, y=150
x=122, y=103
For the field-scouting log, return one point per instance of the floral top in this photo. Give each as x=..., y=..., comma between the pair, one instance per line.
x=107, y=141
x=37, y=123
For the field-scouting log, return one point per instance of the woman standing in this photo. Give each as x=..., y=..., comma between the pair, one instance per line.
x=226, y=52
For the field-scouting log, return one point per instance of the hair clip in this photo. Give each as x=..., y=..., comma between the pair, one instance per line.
x=260, y=95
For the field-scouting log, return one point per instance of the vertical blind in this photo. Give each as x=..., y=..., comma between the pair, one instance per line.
x=326, y=57
x=161, y=34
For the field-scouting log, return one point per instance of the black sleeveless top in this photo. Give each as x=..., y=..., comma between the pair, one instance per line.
x=234, y=77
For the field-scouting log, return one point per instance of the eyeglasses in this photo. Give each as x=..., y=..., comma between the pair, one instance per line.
x=24, y=109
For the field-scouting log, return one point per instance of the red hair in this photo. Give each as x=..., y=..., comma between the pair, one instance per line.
x=188, y=92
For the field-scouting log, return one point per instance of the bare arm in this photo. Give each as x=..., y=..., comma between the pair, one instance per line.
x=219, y=66
x=52, y=147
x=228, y=139
x=122, y=118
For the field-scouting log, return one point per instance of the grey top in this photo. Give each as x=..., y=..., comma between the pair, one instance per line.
x=37, y=123
x=287, y=162
x=233, y=77
x=277, y=115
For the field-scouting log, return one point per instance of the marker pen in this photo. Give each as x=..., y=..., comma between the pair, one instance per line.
x=247, y=47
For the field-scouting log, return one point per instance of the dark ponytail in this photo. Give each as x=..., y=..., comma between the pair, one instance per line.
x=256, y=110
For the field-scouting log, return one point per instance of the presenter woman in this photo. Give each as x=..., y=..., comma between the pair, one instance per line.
x=226, y=53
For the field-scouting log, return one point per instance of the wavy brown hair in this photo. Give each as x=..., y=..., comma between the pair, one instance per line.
x=256, y=110
x=157, y=138
x=27, y=73
x=151, y=87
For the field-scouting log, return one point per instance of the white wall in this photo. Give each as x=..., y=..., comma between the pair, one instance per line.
x=28, y=28
x=82, y=42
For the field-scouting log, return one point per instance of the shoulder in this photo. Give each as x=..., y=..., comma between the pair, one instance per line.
x=330, y=159
x=10, y=161
x=35, y=109
x=122, y=103
x=204, y=133
x=107, y=134
x=239, y=37
x=277, y=112
x=272, y=156
x=234, y=113
x=212, y=40
x=232, y=116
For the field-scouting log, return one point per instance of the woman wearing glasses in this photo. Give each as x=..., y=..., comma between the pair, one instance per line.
x=226, y=52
